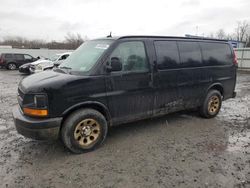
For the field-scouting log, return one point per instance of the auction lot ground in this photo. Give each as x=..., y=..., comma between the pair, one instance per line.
x=177, y=150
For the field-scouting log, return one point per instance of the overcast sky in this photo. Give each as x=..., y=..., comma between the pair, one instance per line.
x=53, y=19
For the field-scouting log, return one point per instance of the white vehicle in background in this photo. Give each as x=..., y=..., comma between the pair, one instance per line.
x=41, y=65
x=47, y=64
x=59, y=58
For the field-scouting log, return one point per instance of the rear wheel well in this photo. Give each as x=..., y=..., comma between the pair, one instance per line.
x=218, y=88
x=11, y=62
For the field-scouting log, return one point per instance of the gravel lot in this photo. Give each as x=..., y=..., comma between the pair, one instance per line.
x=177, y=150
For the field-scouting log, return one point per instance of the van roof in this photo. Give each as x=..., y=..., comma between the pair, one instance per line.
x=165, y=37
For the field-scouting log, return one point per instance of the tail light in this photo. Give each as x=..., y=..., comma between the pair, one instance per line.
x=1, y=59
x=235, y=59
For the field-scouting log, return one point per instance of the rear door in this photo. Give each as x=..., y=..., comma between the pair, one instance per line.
x=8, y=58
x=19, y=59
x=129, y=92
x=218, y=61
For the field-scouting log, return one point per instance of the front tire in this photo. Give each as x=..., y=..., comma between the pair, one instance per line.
x=211, y=105
x=84, y=130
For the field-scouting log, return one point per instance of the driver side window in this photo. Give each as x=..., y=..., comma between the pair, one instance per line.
x=132, y=56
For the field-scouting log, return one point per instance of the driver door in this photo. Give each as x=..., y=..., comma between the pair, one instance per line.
x=129, y=92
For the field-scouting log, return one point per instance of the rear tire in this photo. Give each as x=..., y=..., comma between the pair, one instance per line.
x=11, y=66
x=211, y=105
x=84, y=130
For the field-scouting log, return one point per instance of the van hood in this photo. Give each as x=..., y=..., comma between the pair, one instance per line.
x=45, y=80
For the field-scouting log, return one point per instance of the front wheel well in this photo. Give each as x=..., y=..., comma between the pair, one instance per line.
x=93, y=106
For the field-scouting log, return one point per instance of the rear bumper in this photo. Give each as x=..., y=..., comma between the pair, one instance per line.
x=3, y=65
x=39, y=129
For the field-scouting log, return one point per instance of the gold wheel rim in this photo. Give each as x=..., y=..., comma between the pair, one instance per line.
x=213, y=105
x=87, y=132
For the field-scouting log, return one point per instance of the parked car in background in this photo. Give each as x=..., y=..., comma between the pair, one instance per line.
x=59, y=58
x=46, y=64
x=12, y=61
x=25, y=68
x=41, y=65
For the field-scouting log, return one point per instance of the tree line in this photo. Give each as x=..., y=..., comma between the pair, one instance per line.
x=241, y=33
x=71, y=42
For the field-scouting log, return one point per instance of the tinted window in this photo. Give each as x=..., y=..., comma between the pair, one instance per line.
x=63, y=57
x=167, y=54
x=216, y=53
x=190, y=54
x=18, y=56
x=8, y=55
x=132, y=56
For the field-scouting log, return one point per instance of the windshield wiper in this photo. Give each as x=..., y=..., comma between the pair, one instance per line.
x=60, y=69
x=64, y=67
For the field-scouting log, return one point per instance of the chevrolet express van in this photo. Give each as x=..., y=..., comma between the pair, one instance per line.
x=111, y=81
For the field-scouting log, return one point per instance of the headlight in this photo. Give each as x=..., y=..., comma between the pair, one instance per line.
x=40, y=101
x=35, y=105
x=39, y=67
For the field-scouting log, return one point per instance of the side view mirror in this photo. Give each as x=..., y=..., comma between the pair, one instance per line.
x=115, y=65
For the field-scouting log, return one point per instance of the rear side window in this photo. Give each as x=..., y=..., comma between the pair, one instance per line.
x=8, y=55
x=216, y=53
x=167, y=54
x=190, y=54
x=19, y=56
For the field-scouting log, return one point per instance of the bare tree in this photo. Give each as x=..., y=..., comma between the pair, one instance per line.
x=242, y=31
x=74, y=40
x=220, y=34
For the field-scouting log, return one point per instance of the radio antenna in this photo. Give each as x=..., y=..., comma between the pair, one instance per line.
x=110, y=35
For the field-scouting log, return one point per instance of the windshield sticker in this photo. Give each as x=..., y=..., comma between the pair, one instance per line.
x=102, y=46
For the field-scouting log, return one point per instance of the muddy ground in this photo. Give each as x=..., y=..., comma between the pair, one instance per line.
x=177, y=150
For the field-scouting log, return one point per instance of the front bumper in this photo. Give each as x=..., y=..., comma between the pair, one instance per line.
x=39, y=129
x=234, y=94
x=24, y=70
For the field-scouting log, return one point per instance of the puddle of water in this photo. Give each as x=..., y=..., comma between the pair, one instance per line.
x=235, y=110
x=239, y=142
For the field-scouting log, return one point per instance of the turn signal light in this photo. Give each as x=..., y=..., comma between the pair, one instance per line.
x=35, y=112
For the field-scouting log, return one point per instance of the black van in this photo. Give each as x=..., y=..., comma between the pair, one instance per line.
x=110, y=81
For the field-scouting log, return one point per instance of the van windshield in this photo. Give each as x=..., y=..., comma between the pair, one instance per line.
x=85, y=57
